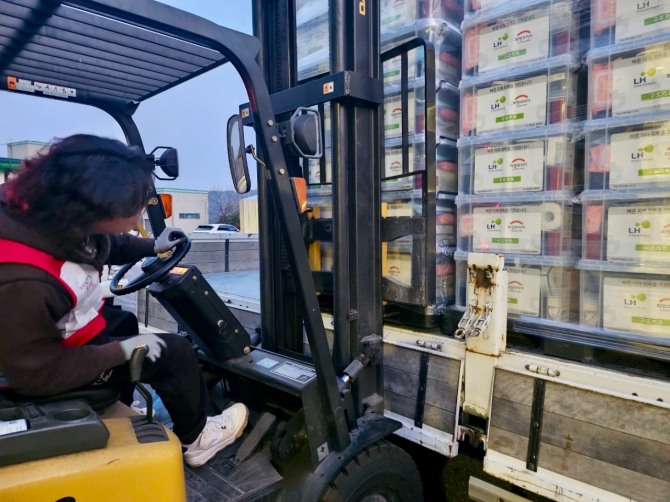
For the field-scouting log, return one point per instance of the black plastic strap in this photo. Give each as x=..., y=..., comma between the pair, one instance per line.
x=535, y=425
x=421, y=391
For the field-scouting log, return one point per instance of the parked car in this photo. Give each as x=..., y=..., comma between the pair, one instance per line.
x=215, y=228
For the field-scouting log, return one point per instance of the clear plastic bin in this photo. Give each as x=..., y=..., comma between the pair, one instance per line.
x=313, y=47
x=475, y=6
x=531, y=95
x=539, y=287
x=524, y=224
x=445, y=220
x=628, y=153
x=446, y=40
x=396, y=15
x=492, y=41
x=445, y=167
x=446, y=100
x=397, y=267
x=409, y=203
x=309, y=10
x=626, y=227
x=628, y=79
x=619, y=21
x=625, y=299
x=535, y=160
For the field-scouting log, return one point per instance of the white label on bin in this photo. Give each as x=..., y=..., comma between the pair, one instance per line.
x=395, y=13
x=520, y=40
x=393, y=116
x=641, y=83
x=639, y=234
x=398, y=209
x=514, y=168
x=636, y=18
x=523, y=290
x=640, y=158
x=639, y=305
x=392, y=68
x=516, y=229
x=393, y=161
x=399, y=267
x=513, y=104
x=556, y=153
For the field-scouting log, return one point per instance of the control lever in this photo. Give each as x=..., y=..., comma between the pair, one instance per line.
x=135, y=362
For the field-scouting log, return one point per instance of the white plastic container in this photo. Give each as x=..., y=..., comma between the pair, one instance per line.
x=313, y=47
x=446, y=100
x=628, y=153
x=620, y=21
x=627, y=227
x=396, y=15
x=517, y=98
x=524, y=224
x=625, y=299
x=537, y=287
x=493, y=40
x=445, y=165
x=446, y=40
x=397, y=267
x=535, y=160
x=628, y=79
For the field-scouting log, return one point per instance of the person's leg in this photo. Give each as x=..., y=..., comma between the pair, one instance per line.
x=176, y=378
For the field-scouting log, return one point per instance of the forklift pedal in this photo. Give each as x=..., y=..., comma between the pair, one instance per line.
x=253, y=440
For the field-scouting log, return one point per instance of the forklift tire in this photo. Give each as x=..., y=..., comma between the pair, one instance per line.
x=381, y=472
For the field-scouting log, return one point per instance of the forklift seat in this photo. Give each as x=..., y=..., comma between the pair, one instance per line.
x=97, y=397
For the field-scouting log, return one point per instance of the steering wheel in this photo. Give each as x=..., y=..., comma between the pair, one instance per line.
x=153, y=269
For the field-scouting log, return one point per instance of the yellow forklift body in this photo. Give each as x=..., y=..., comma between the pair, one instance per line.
x=124, y=470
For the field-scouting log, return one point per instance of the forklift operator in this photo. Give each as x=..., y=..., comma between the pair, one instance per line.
x=62, y=219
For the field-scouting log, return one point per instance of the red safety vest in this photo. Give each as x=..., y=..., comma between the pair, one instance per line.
x=84, y=321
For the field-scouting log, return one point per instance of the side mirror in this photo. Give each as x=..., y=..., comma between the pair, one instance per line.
x=304, y=133
x=168, y=162
x=239, y=170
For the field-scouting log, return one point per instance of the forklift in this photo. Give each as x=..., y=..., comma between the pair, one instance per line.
x=319, y=430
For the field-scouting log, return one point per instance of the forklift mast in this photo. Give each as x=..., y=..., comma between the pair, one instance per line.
x=354, y=93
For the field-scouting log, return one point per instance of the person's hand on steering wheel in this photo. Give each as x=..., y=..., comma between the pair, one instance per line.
x=154, y=268
x=168, y=239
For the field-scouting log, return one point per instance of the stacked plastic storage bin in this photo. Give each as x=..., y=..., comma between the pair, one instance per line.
x=436, y=22
x=625, y=283
x=312, y=38
x=520, y=152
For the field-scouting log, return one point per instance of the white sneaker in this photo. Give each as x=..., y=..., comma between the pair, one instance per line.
x=219, y=432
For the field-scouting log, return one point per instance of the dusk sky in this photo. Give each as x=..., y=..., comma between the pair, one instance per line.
x=191, y=117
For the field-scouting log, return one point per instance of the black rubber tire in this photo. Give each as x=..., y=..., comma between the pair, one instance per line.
x=383, y=472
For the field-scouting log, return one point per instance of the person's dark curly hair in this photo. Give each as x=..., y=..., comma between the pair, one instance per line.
x=80, y=180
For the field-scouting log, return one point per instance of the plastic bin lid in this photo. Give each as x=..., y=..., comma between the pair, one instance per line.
x=647, y=43
x=513, y=7
x=445, y=29
x=521, y=70
x=558, y=196
x=515, y=260
x=638, y=119
x=607, y=266
x=568, y=128
x=639, y=194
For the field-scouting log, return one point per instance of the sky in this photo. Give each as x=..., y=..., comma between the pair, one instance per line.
x=190, y=117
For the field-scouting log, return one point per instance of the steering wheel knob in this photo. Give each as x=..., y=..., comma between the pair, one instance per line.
x=151, y=265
